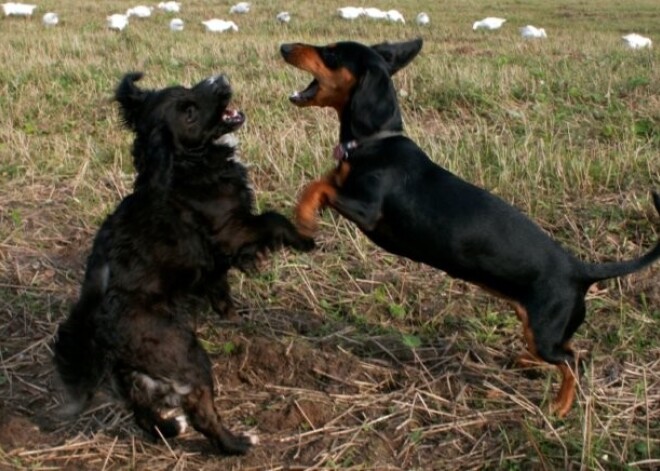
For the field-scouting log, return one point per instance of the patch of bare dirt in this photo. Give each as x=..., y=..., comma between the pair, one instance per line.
x=348, y=399
x=18, y=431
x=321, y=391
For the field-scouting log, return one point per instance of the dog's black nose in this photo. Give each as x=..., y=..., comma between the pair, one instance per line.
x=286, y=49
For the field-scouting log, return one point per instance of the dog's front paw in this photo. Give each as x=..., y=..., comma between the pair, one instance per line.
x=223, y=306
x=251, y=258
x=313, y=199
x=230, y=444
x=303, y=243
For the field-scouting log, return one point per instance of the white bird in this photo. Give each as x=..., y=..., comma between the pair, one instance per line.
x=531, y=32
x=50, y=19
x=240, y=7
x=18, y=9
x=637, y=41
x=395, y=16
x=216, y=25
x=375, y=13
x=423, y=19
x=176, y=24
x=283, y=17
x=117, y=21
x=140, y=11
x=170, y=7
x=488, y=23
x=350, y=13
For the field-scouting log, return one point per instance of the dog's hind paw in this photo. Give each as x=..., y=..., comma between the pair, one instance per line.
x=231, y=444
x=183, y=424
x=171, y=427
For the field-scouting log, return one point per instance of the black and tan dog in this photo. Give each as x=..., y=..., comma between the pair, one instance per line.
x=410, y=206
x=188, y=221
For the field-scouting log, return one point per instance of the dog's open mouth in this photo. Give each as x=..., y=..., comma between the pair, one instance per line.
x=300, y=98
x=232, y=118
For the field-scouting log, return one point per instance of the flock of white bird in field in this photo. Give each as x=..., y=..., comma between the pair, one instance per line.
x=119, y=21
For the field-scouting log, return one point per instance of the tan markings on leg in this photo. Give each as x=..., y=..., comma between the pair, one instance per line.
x=527, y=360
x=340, y=174
x=531, y=355
x=566, y=395
x=314, y=198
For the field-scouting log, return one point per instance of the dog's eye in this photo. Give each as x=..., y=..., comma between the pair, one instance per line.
x=191, y=114
x=330, y=59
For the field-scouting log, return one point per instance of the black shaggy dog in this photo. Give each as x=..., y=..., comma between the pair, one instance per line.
x=188, y=221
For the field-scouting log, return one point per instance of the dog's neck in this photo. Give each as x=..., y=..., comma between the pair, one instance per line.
x=342, y=151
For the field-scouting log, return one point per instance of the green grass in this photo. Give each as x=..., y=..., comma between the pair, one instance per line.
x=567, y=129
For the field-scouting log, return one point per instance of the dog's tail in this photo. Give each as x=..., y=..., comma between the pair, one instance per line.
x=78, y=361
x=595, y=272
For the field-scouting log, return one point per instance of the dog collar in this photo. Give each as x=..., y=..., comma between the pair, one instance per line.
x=341, y=150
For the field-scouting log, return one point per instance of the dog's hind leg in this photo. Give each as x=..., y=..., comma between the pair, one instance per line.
x=170, y=369
x=201, y=411
x=566, y=395
x=545, y=329
x=219, y=294
x=145, y=396
x=153, y=422
x=529, y=358
x=204, y=417
x=564, y=399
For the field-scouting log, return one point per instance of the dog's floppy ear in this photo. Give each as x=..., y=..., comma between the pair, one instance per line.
x=130, y=98
x=374, y=106
x=398, y=55
x=155, y=169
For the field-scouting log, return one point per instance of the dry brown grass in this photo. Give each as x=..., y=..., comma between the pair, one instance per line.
x=349, y=358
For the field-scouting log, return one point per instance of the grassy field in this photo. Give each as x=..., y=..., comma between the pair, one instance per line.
x=348, y=357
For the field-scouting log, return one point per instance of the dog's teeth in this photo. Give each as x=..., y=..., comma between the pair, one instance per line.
x=229, y=115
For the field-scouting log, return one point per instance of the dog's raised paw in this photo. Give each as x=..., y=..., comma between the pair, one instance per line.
x=305, y=244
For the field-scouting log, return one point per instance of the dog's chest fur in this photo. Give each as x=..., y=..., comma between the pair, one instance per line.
x=181, y=229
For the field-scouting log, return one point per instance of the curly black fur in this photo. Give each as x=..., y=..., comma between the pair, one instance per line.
x=188, y=221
